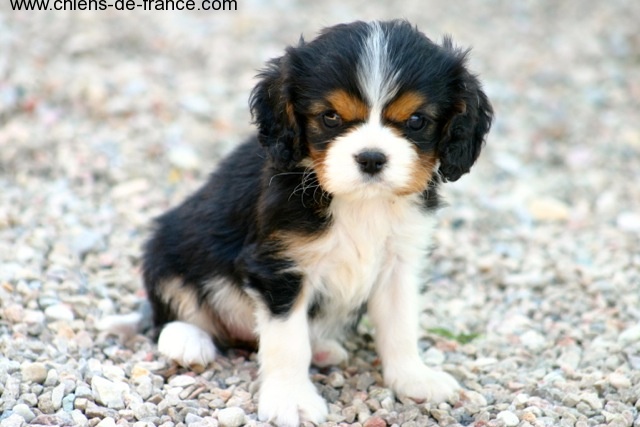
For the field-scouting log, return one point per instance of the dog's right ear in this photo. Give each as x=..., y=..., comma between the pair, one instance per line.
x=273, y=113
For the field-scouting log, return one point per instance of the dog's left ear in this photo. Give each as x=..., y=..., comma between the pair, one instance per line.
x=272, y=111
x=465, y=133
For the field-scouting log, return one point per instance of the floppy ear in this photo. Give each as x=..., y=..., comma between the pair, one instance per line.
x=272, y=112
x=465, y=133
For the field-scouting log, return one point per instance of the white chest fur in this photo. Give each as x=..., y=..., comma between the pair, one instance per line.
x=367, y=239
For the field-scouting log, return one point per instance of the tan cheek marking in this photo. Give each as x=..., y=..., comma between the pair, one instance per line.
x=402, y=108
x=319, y=166
x=421, y=174
x=349, y=107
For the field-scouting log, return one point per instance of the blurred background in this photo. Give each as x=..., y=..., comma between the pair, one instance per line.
x=108, y=118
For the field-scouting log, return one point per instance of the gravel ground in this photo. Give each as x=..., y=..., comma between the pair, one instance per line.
x=107, y=118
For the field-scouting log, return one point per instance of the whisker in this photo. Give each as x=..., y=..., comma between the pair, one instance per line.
x=284, y=173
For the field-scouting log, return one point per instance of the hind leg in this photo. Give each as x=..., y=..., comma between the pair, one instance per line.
x=186, y=344
x=226, y=315
x=328, y=352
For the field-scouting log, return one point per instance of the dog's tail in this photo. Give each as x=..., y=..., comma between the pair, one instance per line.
x=126, y=326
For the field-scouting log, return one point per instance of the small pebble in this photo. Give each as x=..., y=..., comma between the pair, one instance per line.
x=629, y=221
x=108, y=392
x=533, y=340
x=231, y=417
x=375, y=422
x=184, y=157
x=630, y=335
x=35, y=372
x=59, y=312
x=509, y=418
x=24, y=411
x=79, y=419
x=619, y=381
x=434, y=357
x=14, y=313
x=336, y=380
x=592, y=400
x=13, y=420
x=56, y=396
x=549, y=209
x=52, y=378
x=107, y=422
x=68, y=402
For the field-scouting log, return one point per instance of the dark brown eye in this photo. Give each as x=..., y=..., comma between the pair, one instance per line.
x=331, y=119
x=416, y=122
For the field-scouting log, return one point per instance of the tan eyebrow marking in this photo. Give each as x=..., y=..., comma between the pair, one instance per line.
x=404, y=106
x=349, y=107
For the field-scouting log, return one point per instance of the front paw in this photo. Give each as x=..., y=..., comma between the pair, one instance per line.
x=422, y=383
x=287, y=403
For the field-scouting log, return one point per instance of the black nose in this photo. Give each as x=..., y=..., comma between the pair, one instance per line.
x=371, y=162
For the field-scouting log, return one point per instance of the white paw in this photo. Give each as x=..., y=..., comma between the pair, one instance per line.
x=328, y=353
x=421, y=383
x=187, y=344
x=287, y=403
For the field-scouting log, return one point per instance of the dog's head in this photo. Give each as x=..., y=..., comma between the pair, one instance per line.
x=372, y=108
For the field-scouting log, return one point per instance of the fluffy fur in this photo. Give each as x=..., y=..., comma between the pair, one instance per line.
x=326, y=214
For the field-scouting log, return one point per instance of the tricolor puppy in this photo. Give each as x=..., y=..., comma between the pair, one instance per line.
x=325, y=214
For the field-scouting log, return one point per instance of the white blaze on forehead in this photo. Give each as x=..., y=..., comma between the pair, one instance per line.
x=376, y=75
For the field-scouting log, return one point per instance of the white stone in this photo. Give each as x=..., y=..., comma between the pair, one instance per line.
x=14, y=420
x=474, y=398
x=107, y=422
x=434, y=357
x=619, y=380
x=24, y=411
x=184, y=157
x=56, y=396
x=630, y=335
x=109, y=393
x=182, y=381
x=508, y=418
x=112, y=372
x=548, y=209
x=231, y=417
x=592, y=400
x=59, y=312
x=628, y=221
x=533, y=340
x=79, y=419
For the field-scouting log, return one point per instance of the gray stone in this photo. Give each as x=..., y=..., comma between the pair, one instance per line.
x=57, y=394
x=52, y=378
x=335, y=380
x=82, y=391
x=24, y=411
x=45, y=404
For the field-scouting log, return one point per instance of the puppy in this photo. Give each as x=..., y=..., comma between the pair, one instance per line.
x=325, y=214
